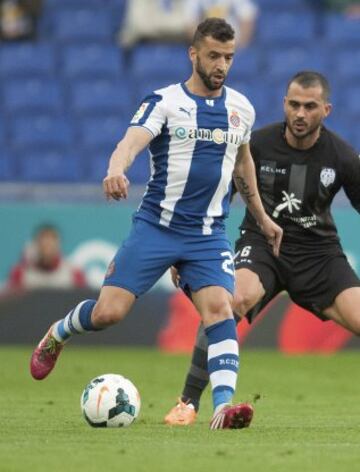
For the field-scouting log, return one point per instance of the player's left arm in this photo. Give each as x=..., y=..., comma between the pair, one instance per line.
x=245, y=181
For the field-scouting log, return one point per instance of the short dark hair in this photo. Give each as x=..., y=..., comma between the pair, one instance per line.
x=309, y=78
x=217, y=28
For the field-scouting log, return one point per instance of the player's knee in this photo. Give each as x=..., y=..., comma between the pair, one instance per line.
x=107, y=313
x=217, y=310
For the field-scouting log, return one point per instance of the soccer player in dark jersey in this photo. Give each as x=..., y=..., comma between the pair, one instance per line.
x=300, y=166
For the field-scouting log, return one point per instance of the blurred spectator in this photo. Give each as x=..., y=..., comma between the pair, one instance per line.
x=350, y=8
x=153, y=20
x=18, y=19
x=43, y=266
x=241, y=14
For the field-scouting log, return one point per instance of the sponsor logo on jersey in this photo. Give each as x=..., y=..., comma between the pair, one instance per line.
x=234, y=119
x=187, y=112
x=218, y=136
x=270, y=170
x=140, y=113
x=327, y=176
x=289, y=202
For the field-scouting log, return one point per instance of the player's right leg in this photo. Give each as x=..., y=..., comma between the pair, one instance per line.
x=89, y=315
x=138, y=264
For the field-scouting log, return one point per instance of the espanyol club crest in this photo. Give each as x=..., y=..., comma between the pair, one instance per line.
x=234, y=119
x=327, y=176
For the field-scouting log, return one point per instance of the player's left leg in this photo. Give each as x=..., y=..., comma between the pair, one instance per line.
x=346, y=310
x=143, y=257
x=336, y=295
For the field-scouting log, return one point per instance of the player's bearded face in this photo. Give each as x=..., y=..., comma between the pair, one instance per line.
x=212, y=80
x=305, y=110
x=212, y=60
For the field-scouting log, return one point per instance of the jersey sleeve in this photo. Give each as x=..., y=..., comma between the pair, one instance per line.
x=250, y=125
x=351, y=177
x=151, y=114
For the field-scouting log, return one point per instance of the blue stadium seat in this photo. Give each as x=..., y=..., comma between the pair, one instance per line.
x=247, y=64
x=280, y=5
x=83, y=24
x=93, y=61
x=50, y=165
x=168, y=63
x=347, y=65
x=341, y=31
x=102, y=96
x=27, y=59
x=40, y=130
x=101, y=131
x=36, y=94
x=145, y=86
x=96, y=162
x=258, y=96
x=76, y=3
x=285, y=28
x=282, y=63
x=2, y=130
x=7, y=165
x=344, y=127
x=348, y=103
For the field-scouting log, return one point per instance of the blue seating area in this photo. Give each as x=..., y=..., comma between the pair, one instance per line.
x=68, y=97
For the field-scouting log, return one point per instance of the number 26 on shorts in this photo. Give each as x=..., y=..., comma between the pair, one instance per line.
x=228, y=264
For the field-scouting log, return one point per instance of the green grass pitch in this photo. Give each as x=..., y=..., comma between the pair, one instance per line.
x=307, y=416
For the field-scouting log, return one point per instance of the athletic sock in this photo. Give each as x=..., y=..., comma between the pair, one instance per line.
x=223, y=360
x=198, y=376
x=77, y=321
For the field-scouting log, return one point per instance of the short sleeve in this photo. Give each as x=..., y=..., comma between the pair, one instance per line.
x=250, y=125
x=151, y=114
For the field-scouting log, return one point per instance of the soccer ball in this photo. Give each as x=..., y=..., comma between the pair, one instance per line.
x=110, y=401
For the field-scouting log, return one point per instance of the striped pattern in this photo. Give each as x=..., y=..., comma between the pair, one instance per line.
x=223, y=360
x=192, y=156
x=76, y=321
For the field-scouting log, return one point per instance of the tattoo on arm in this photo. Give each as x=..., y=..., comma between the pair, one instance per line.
x=244, y=189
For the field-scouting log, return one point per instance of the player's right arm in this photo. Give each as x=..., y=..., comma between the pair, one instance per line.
x=115, y=184
x=244, y=177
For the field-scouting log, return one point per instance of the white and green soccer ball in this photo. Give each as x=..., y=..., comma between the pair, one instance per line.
x=110, y=401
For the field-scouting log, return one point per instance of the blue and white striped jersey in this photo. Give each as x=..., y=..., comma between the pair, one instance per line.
x=196, y=140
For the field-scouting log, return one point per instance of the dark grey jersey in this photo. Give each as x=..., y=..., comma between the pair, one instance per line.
x=297, y=186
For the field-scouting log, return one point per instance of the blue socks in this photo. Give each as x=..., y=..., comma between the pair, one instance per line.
x=76, y=322
x=223, y=360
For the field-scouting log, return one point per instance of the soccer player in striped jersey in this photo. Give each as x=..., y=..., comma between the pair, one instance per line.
x=198, y=134
x=300, y=166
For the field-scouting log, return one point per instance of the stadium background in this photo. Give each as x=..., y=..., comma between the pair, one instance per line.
x=66, y=100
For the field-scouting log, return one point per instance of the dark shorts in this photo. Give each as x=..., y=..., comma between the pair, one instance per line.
x=313, y=274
